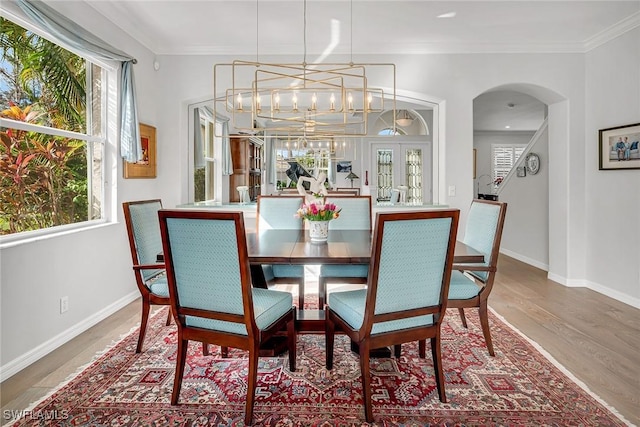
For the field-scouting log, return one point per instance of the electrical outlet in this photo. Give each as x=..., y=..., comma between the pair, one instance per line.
x=452, y=191
x=64, y=304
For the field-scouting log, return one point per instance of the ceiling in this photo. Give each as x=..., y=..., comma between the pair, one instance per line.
x=261, y=27
x=379, y=26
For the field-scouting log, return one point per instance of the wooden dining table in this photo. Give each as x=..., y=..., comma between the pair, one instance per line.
x=342, y=247
x=278, y=246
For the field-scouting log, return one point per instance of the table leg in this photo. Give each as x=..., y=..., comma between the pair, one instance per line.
x=257, y=276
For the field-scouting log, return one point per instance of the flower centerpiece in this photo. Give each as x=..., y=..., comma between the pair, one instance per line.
x=318, y=214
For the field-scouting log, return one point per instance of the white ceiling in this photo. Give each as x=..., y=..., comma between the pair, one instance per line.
x=379, y=26
x=250, y=27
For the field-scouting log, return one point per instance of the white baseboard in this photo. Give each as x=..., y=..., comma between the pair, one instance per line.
x=526, y=260
x=577, y=283
x=19, y=363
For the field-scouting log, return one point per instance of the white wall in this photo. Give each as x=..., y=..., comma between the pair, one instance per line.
x=612, y=199
x=98, y=276
x=525, y=235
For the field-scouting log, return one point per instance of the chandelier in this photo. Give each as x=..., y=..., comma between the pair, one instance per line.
x=308, y=100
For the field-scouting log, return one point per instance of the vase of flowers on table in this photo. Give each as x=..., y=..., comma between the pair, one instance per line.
x=318, y=214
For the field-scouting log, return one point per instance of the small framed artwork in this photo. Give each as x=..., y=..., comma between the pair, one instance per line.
x=145, y=168
x=521, y=171
x=344, y=167
x=620, y=147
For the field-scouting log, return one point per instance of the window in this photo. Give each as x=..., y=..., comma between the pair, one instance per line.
x=206, y=140
x=504, y=157
x=53, y=111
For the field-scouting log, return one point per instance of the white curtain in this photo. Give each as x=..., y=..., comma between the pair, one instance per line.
x=69, y=33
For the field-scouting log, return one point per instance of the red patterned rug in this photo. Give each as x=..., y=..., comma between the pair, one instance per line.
x=519, y=386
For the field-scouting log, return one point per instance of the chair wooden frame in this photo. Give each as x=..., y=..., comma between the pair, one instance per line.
x=284, y=280
x=363, y=337
x=480, y=301
x=148, y=298
x=323, y=281
x=254, y=338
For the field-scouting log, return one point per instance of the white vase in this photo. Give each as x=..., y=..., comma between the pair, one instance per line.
x=318, y=231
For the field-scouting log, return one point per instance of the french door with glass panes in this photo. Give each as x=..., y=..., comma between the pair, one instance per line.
x=400, y=164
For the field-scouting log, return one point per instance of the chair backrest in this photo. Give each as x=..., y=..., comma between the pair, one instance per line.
x=145, y=242
x=355, y=212
x=347, y=191
x=410, y=268
x=483, y=232
x=208, y=269
x=277, y=212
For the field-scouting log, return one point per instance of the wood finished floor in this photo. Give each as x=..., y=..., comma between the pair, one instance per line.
x=595, y=337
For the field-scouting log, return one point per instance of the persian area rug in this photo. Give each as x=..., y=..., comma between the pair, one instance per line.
x=519, y=386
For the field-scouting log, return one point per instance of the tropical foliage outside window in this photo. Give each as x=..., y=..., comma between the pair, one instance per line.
x=51, y=106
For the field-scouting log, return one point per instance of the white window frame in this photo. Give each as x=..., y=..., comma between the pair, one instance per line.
x=106, y=143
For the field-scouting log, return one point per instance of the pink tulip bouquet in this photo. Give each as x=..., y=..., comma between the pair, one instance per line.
x=318, y=211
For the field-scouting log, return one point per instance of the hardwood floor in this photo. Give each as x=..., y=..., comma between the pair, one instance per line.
x=594, y=337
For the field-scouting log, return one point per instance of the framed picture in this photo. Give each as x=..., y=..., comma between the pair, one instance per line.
x=145, y=168
x=521, y=171
x=344, y=167
x=620, y=147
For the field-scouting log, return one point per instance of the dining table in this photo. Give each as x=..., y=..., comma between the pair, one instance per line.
x=282, y=246
x=285, y=246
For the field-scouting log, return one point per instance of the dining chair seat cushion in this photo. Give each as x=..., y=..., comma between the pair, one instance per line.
x=268, y=306
x=288, y=270
x=462, y=287
x=350, y=306
x=159, y=287
x=347, y=270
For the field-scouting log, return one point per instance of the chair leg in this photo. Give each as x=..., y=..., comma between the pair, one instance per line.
x=462, y=318
x=205, y=349
x=180, y=361
x=437, y=366
x=422, y=349
x=329, y=331
x=322, y=292
x=301, y=294
x=224, y=351
x=484, y=322
x=397, y=350
x=143, y=323
x=168, y=318
x=251, y=383
x=366, y=380
x=293, y=341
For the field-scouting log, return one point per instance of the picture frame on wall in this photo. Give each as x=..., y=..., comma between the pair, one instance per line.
x=619, y=147
x=145, y=168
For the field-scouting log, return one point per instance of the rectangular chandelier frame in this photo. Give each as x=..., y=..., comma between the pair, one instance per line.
x=307, y=100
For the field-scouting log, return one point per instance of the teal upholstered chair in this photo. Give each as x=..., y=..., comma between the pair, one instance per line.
x=145, y=242
x=211, y=294
x=406, y=296
x=143, y=229
x=277, y=212
x=355, y=215
x=471, y=284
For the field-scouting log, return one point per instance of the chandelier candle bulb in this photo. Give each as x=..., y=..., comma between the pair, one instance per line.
x=294, y=101
x=314, y=102
x=350, y=102
x=332, y=102
x=258, y=107
x=239, y=101
x=276, y=102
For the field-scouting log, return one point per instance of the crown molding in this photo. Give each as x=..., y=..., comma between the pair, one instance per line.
x=612, y=32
